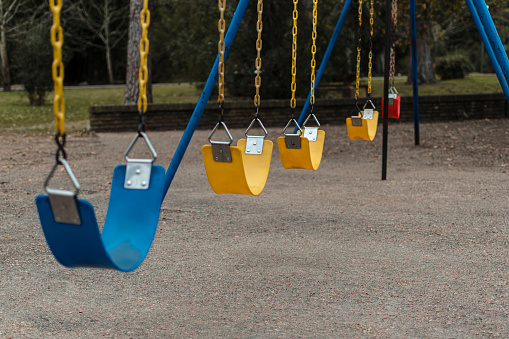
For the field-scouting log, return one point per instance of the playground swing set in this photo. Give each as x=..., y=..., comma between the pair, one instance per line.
x=139, y=187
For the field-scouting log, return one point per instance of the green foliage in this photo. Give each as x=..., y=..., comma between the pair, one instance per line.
x=184, y=39
x=34, y=57
x=453, y=66
x=184, y=47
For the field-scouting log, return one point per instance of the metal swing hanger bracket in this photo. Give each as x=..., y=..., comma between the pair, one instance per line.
x=311, y=132
x=254, y=143
x=292, y=140
x=221, y=149
x=393, y=94
x=357, y=119
x=63, y=202
x=138, y=171
x=367, y=113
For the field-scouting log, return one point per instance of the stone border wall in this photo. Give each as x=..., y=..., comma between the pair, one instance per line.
x=276, y=113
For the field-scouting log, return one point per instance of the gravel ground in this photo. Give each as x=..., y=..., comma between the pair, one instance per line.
x=332, y=253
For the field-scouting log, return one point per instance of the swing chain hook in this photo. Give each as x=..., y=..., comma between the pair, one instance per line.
x=220, y=111
x=141, y=125
x=356, y=110
x=60, y=153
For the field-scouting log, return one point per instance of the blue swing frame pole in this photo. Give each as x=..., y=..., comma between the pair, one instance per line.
x=497, y=62
x=325, y=59
x=494, y=38
x=415, y=75
x=204, y=98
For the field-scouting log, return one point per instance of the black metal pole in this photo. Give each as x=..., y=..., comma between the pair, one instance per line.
x=415, y=76
x=387, y=66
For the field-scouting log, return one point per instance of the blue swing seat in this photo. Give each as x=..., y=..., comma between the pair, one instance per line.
x=128, y=232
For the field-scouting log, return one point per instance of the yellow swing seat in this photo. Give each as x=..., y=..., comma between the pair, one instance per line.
x=361, y=128
x=308, y=155
x=240, y=169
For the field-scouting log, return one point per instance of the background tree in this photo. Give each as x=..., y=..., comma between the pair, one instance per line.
x=184, y=46
x=132, y=90
x=34, y=56
x=6, y=15
x=16, y=17
x=105, y=21
x=442, y=25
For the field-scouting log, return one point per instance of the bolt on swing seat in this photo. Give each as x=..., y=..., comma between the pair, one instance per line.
x=363, y=126
x=302, y=150
x=71, y=229
x=243, y=169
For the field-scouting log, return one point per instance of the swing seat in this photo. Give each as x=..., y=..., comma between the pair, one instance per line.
x=128, y=232
x=366, y=130
x=394, y=107
x=245, y=174
x=308, y=156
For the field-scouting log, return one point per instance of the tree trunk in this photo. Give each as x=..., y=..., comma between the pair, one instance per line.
x=111, y=79
x=107, y=46
x=425, y=69
x=132, y=90
x=6, y=74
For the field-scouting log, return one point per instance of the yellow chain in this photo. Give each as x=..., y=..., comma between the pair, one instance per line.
x=258, y=63
x=220, y=48
x=313, y=51
x=144, y=48
x=371, y=25
x=293, y=102
x=358, y=73
x=57, y=69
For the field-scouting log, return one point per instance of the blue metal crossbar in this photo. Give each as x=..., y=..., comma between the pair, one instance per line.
x=494, y=38
x=497, y=62
x=204, y=98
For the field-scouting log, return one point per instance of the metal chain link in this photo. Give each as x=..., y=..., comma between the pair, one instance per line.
x=359, y=48
x=57, y=68
x=293, y=102
x=371, y=29
x=313, y=51
x=258, y=62
x=144, y=48
x=392, y=71
x=220, y=48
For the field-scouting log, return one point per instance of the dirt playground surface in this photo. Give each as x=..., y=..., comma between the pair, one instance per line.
x=335, y=253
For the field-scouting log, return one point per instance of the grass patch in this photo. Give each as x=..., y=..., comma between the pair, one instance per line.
x=474, y=84
x=17, y=116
